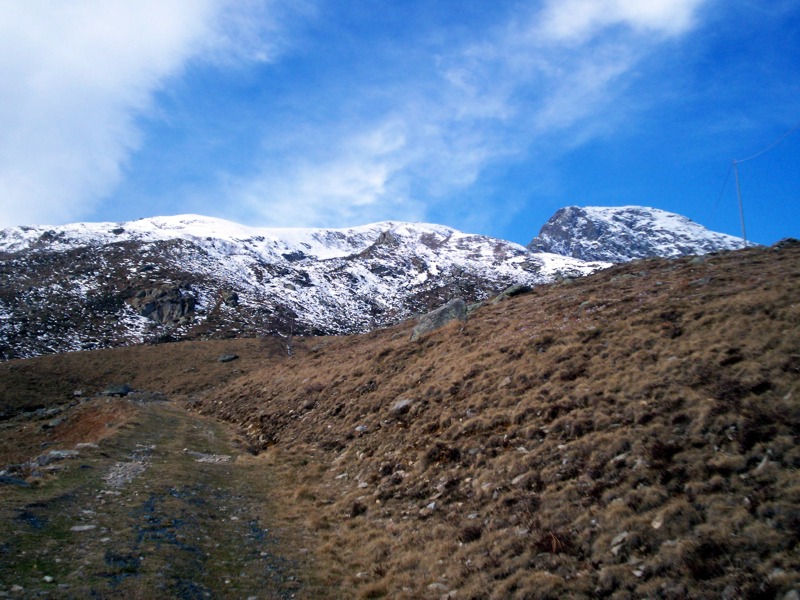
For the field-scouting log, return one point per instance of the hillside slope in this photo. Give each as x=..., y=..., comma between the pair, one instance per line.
x=629, y=434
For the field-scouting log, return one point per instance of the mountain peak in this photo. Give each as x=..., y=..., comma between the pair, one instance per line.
x=624, y=233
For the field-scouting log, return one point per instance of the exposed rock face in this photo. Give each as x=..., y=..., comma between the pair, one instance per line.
x=165, y=304
x=626, y=233
x=455, y=310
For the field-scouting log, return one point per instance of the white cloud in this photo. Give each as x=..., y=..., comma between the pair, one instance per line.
x=74, y=77
x=351, y=179
x=570, y=20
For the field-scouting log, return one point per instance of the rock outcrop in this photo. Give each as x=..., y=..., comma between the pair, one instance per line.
x=165, y=304
x=455, y=310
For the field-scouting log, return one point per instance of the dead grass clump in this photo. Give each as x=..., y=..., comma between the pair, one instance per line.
x=470, y=533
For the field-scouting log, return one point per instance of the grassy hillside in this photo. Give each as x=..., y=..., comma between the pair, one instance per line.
x=629, y=434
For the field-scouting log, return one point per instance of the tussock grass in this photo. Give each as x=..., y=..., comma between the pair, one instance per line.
x=629, y=434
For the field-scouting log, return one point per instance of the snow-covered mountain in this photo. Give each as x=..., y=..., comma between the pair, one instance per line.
x=620, y=234
x=90, y=285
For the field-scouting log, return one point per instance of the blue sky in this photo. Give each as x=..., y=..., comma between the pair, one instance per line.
x=485, y=116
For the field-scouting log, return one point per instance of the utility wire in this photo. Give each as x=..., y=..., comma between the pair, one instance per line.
x=721, y=193
x=771, y=146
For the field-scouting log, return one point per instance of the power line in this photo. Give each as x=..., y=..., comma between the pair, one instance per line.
x=771, y=146
x=734, y=166
x=721, y=193
x=739, y=195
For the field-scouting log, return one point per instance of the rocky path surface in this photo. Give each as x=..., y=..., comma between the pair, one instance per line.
x=166, y=508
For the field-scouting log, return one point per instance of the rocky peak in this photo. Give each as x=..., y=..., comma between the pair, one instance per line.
x=621, y=234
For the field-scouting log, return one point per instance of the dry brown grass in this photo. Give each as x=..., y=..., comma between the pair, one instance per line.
x=629, y=434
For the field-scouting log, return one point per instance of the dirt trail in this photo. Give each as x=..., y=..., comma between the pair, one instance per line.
x=166, y=507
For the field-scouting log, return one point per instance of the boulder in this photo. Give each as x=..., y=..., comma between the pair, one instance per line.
x=510, y=292
x=401, y=407
x=455, y=310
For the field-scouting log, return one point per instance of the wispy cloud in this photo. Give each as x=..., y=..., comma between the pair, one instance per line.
x=348, y=182
x=547, y=73
x=75, y=76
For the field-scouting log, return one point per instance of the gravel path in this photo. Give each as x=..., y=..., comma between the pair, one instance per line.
x=162, y=509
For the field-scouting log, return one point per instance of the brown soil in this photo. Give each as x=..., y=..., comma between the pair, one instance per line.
x=629, y=434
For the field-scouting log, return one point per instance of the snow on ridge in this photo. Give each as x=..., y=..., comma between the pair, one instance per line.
x=320, y=243
x=659, y=220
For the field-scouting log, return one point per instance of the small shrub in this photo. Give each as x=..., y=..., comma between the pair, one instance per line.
x=357, y=509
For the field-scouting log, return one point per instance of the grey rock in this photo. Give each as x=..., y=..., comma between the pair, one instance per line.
x=230, y=298
x=53, y=423
x=455, y=310
x=700, y=282
x=387, y=238
x=53, y=456
x=473, y=307
x=402, y=406
x=9, y=480
x=167, y=304
x=117, y=390
x=227, y=358
x=510, y=292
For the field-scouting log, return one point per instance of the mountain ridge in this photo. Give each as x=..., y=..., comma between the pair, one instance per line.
x=93, y=285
